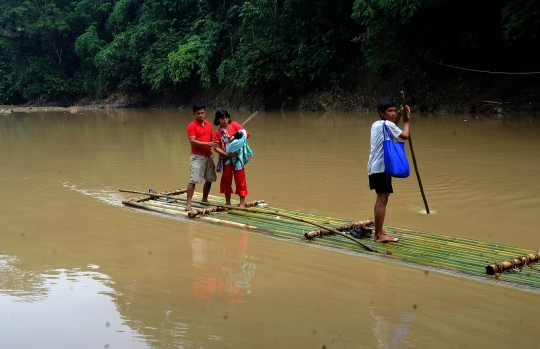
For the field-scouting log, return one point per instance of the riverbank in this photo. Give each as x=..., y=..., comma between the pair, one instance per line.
x=7, y=109
x=427, y=89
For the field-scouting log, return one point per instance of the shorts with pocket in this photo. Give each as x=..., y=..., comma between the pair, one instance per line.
x=201, y=168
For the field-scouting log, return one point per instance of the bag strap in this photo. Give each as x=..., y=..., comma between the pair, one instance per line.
x=385, y=128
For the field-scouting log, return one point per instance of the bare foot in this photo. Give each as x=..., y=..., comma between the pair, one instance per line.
x=385, y=238
x=188, y=208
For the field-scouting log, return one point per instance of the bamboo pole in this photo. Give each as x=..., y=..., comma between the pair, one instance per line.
x=414, y=159
x=148, y=196
x=431, y=250
x=203, y=211
x=349, y=226
x=207, y=219
x=448, y=238
x=257, y=211
x=151, y=208
x=251, y=117
x=500, y=267
x=427, y=247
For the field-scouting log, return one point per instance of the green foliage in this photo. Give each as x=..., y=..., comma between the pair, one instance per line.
x=182, y=63
x=521, y=18
x=52, y=49
x=122, y=13
x=88, y=45
x=368, y=11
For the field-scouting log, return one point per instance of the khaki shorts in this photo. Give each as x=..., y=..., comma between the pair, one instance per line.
x=201, y=167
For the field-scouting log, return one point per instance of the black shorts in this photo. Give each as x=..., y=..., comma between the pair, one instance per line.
x=381, y=183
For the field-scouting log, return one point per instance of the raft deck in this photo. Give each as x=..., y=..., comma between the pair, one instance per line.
x=467, y=256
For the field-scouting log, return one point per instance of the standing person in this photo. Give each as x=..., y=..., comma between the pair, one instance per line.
x=223, y=136
x=201, y=160
x=378, y=180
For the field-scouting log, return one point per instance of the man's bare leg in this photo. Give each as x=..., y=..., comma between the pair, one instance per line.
x=206, y=191
x=380, y=213
x=228, y=199
x=242, y=202
x=190, y=191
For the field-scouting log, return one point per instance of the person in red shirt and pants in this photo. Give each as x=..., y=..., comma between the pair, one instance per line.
x=201, y=160
x=223, y=136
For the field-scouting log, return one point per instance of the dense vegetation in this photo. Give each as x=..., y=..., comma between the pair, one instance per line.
x=58, y=49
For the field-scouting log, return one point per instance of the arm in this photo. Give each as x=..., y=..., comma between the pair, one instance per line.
x=197, y=143
x=400, y=114
x=223, y=152
x=406, y=127
x=192, y=134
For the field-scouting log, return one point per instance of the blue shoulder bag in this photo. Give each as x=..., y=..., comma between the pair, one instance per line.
x=395, y=160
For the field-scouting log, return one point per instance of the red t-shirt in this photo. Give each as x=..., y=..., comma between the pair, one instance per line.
x=233, y=127
x=202, y=134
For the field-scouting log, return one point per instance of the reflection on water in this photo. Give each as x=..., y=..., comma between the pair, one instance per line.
x=25, y=286
x=39, y=309
x=221, y=268
x=392, y=329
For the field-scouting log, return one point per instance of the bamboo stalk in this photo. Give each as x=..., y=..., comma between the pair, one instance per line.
x=312, y=216
x=203, y=211
x=421, y=253
x=207, y=219
x=148, y=196
x=500, y=267
x=427, y=250
x=251, y=117
x=322, y=232
x=150, y=208
x=446, y=238
x=414, y=160
x=432, y=250
x=258, y=211
x=250, y=216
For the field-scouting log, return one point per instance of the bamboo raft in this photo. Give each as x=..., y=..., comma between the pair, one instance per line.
x=470, y=257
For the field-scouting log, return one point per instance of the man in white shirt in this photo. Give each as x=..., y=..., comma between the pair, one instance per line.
x=378, y=180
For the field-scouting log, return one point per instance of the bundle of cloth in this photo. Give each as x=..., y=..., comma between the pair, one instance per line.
x=242, y=150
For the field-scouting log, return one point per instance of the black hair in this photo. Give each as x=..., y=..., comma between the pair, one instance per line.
x=198, y=107
x=221, y=113
x=383, y=105
x=238, y=134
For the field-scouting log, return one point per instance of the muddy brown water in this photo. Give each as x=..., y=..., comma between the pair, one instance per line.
x=79, y=270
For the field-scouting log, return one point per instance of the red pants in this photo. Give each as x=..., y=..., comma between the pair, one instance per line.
x=229, y=172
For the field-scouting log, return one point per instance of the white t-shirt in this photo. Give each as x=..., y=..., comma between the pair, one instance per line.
x=376, y=155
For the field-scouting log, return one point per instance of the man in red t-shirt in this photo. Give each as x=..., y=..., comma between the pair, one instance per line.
x=201, y=160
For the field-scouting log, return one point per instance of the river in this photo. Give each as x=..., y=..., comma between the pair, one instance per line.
x=80, y=270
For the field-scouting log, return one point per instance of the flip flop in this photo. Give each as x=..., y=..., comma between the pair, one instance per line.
x=388, y=238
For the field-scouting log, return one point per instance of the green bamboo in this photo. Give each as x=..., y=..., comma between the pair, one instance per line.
x=291, y=225
x=449, y=238
x=431, y=250
x=260, y=211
